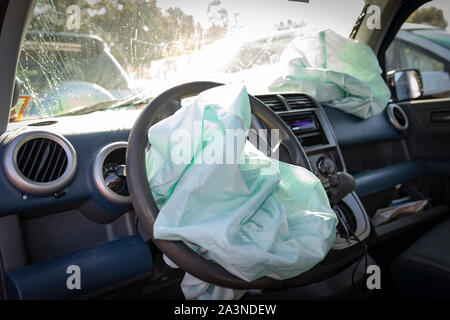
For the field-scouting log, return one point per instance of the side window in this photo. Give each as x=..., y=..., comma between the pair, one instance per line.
x=406, y=55
x=423, y=43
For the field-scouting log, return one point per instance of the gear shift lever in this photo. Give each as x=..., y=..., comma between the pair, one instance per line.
x=341, y=184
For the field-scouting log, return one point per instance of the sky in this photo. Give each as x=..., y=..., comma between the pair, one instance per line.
x=260, y=16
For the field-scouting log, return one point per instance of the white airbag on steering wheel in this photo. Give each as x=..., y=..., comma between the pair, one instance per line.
x=253, y=215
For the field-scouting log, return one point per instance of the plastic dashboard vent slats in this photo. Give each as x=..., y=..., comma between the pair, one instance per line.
x=273, y=102
x=298, y=101
x=41, y=160
x=301, y=111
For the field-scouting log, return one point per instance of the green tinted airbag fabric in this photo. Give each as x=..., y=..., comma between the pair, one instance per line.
x=337, y=71
x=255, y=217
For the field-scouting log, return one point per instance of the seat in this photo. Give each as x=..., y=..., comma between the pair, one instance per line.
x=423, y=270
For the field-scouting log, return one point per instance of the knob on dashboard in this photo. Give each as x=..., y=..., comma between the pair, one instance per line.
x=326, y=166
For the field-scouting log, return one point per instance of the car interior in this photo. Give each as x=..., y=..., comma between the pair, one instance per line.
x=73, y=185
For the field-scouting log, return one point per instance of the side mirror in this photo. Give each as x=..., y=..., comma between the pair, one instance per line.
x=406, y=84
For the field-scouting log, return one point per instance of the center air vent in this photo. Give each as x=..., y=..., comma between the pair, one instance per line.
x=296, y=101
x=299, y=112
x=299, y=101
x=273, y=102
x=40, y=162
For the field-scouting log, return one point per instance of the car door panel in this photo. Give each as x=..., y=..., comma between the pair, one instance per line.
x=429, y=130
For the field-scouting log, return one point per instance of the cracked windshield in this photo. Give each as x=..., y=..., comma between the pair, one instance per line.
x=91, y=55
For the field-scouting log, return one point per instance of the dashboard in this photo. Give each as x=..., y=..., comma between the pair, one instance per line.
x=92, y=177
x=89, y=135
x=65, y=184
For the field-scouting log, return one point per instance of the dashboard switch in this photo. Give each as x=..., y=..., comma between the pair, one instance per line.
x=326, y=166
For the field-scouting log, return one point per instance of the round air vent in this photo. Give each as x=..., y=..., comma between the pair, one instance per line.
x=398, y=117
x=40, y=162
x=109, y=173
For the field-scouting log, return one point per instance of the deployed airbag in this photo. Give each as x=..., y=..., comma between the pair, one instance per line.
x=252, y=214
x=337, y=71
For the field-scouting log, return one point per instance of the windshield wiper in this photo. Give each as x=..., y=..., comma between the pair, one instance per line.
x=88, y=109
x=102, y=106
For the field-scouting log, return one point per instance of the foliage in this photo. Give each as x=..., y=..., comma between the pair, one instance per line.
x=137, y=31
x=219, y=20
x=289, y=24
x=431, y=15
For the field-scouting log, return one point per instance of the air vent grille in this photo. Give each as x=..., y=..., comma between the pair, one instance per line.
x=273, y=102
x=41, y=160
x=298, y=101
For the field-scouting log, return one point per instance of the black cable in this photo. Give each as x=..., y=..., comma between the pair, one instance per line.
x=363, y=257
x=3, y=295
x=136, y=225
x=350, y=234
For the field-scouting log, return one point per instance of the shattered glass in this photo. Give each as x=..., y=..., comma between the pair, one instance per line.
x=81, y=53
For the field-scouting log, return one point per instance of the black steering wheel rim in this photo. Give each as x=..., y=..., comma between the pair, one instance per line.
x=141, y=197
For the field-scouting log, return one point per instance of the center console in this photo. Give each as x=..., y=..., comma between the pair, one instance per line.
x=309, y=123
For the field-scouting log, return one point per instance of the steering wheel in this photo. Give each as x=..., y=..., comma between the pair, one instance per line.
x=141, y=197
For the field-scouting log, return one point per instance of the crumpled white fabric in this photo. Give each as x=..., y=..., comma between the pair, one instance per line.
x=255, y=217
x=196, y=289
